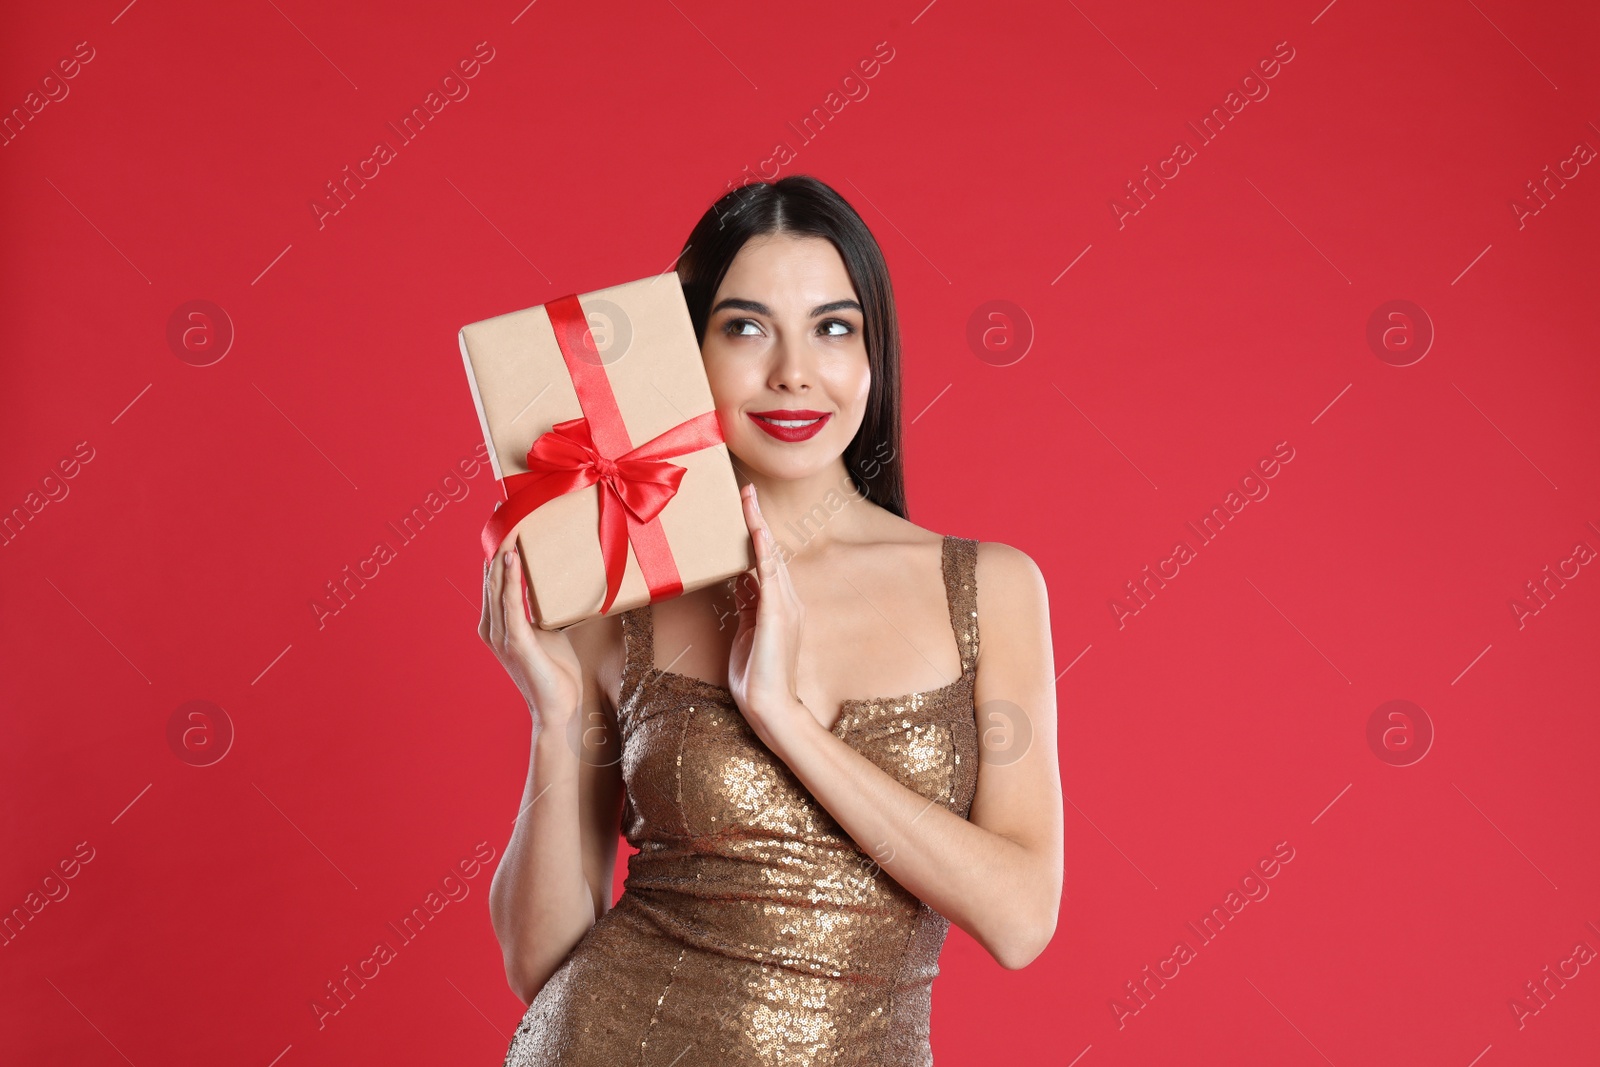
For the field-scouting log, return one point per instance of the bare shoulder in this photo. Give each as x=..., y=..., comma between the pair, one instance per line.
x=1013, y=603
x=1006, y=576
x=1016, y=657
x=1005, y=572
x=599, y=645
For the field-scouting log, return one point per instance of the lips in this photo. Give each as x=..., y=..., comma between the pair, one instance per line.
x=791, y=424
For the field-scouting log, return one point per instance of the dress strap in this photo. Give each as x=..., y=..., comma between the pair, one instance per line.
x=961, y=590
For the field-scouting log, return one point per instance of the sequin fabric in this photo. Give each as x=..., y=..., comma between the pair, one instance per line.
x=751, y=928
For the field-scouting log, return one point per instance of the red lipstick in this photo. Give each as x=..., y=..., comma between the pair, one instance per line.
x=791, y=424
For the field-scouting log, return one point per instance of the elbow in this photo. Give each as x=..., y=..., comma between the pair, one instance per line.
x=1018, y=953
x=531, y=959
x=519, y=975
x=1022, y=921
x=1023, y=942
x=523, y=978
x=1015, y=955
x=523, y=981
x=526, y=972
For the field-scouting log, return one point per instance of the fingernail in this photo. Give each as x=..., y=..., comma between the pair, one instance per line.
x=507, y=557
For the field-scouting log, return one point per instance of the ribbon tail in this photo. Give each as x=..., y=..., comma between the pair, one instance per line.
x=613, y=542
x=527, y=499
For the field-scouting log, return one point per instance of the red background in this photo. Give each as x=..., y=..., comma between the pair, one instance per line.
x=1230, y=314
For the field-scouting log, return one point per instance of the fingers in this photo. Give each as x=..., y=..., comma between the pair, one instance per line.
x=521, y=641
x=753, y=521
x=515, y=619
x=484, y=614
x=769, y=561
x=747, y=597
x=767, y=587
x=785, y=583
x=746, y=585
x=496, y=573
x=760, y=536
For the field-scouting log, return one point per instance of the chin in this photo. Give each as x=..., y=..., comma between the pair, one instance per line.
x=786, y=462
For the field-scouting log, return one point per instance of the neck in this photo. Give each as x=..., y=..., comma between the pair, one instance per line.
x=808, y=514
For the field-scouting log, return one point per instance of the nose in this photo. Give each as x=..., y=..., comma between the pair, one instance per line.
x=792, y=370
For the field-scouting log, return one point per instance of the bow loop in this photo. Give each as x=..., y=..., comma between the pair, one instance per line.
x=642, y=485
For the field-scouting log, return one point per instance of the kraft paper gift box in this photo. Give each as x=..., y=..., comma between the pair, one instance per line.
x=603, y=436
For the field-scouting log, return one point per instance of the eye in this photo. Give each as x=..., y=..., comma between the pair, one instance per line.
x=845, y=329
x=735, y=327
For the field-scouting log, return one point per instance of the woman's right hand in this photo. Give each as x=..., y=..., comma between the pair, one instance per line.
x=541, y=662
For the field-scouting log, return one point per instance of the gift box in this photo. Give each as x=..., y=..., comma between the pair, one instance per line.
x=602, y=433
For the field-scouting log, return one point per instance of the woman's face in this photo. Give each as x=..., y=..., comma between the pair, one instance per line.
x=784, y=344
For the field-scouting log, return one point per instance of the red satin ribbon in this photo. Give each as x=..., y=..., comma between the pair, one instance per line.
x=635, y=483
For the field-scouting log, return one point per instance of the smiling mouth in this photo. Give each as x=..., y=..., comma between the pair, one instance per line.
x=788, y=422
x=796, y=425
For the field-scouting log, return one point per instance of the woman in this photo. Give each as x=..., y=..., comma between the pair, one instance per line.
x=803, y=846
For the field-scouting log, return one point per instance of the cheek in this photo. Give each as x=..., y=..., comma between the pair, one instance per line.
x=734, y=384
x=853, y=383
x=726, y=386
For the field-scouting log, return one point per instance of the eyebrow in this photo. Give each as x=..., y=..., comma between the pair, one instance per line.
x=762, y=309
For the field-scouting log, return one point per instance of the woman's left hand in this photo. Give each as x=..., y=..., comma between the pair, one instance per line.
x=763, y=666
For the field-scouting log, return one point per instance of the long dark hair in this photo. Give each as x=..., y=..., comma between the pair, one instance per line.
x=805, y=207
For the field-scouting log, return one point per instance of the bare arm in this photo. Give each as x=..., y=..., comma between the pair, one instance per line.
x=997, y=876
x=554, y=879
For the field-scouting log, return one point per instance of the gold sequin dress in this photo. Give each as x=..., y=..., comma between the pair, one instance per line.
x=751, y=928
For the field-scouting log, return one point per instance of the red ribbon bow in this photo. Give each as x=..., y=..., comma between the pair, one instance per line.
x=635, y=483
